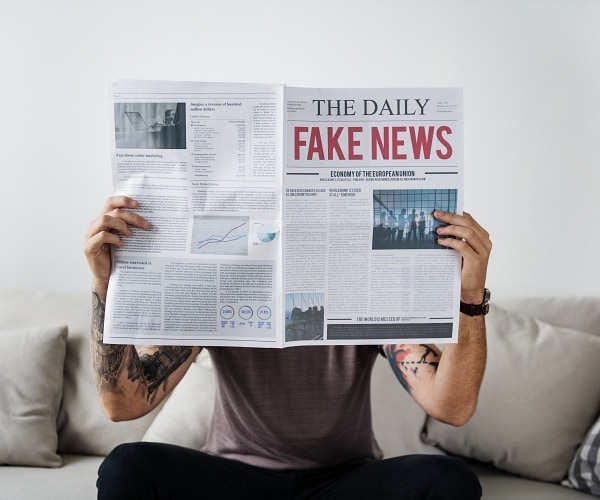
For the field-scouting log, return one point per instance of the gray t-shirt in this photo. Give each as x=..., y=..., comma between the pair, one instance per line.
x=293, y=408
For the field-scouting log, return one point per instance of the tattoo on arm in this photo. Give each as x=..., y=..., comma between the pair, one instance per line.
x=158, y=366
x=106, y=358
x=406, y=363
x=150, y=370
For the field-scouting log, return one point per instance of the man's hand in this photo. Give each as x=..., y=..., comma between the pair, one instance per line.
x=474, y=244
x=105, y=231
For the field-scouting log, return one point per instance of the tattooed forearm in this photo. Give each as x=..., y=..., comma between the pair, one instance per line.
x=149, y=370
x=158, y=366
x=106, y=358
x=98, y=313
x=407, y=361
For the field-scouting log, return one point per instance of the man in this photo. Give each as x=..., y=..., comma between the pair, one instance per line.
x=412, y=226
x=289, y=423
x=401, y=224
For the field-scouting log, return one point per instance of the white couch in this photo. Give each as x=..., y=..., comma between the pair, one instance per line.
x=540, y=397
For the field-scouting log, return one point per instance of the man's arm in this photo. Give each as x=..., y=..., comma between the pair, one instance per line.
x=446, y=385
x=130, y=382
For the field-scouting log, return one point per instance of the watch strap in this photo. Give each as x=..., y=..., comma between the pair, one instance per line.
x=477, y=309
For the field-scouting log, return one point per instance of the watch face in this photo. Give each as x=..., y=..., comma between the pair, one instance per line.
x=486, y=295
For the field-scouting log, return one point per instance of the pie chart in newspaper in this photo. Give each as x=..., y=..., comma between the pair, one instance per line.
x=264, y=233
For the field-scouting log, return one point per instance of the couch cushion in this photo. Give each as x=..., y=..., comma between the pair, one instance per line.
x=500, y=485
x=579, y=313
x=75, y=480
x=584, y=472
x=539, y=397
x=31, y=384
x=82, y=426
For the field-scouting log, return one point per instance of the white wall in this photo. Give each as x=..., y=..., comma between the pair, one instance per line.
x=530, y=72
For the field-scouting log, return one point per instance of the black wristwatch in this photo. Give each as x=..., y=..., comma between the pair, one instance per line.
x=477, y=309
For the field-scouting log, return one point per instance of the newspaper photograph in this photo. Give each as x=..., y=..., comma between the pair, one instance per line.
x=285, y=216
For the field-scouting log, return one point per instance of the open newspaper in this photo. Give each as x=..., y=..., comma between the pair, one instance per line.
x=285, y=216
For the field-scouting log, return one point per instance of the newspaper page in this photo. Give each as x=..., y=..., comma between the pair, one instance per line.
x=204, y=163
x=364, y=171
x=284, y=216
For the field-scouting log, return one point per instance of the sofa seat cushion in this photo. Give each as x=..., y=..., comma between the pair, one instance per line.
x=499, y=485
x=76, y=480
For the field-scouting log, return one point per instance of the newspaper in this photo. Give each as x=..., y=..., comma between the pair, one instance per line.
x=285, y=216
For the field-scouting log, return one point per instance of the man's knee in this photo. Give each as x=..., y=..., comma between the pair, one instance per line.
x=423, y=477
x=123, y=458
x=435, y=477
x=123, y=471
x=455, y=480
